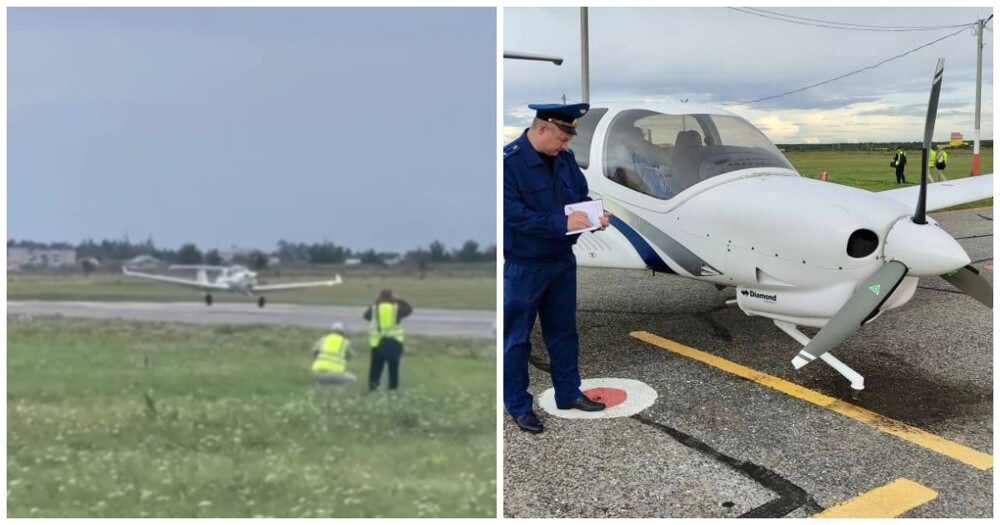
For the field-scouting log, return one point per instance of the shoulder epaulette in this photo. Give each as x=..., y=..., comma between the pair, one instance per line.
x=510, y=149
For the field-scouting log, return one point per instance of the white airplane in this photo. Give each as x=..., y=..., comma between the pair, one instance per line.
x=700, y=192
x=235, y=279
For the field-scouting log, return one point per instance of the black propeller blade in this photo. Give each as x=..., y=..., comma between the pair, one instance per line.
x=530, y=56
x=864, y=303
x=920, y=215
x=972, y=283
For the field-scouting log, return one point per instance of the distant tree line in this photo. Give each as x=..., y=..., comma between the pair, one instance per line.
x=872, y=146
x=286, y=252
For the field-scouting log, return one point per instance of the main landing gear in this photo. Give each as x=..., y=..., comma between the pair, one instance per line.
x=208, y=299
x=261, y=301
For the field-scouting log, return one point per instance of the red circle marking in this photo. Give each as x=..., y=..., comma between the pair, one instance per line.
x=989, y=266
x=609, y=396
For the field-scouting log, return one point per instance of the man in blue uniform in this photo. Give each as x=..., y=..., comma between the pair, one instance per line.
x=540, y=177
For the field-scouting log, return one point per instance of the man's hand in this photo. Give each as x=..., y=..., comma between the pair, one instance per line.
x=577, y=220
x=605, y=220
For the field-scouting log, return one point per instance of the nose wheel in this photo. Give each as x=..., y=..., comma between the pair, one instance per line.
x=208, y=299
x=261, y=301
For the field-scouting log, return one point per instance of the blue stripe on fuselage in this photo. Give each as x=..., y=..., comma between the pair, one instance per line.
x=649, y=256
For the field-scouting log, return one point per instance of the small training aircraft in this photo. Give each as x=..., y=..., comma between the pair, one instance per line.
x=234, y=279
x=699, y=192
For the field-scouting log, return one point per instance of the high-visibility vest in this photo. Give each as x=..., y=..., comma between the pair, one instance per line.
x=332, y=355
x=384, y=323
x=935, y=157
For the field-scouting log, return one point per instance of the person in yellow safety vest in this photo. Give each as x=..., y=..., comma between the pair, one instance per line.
x=386, y=337
x=937, y=161
x=899, y=162
x=330, y=355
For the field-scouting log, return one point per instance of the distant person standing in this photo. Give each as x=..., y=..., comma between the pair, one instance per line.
x=938, y=161
x=386, y=337
x=330, y=356
x=899, y=162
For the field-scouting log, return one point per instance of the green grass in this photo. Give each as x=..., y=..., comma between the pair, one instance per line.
x=130, y=419
x=433, y=291
x=870, y=170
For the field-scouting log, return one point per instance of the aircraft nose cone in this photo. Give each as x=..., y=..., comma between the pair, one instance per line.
x=925, y=249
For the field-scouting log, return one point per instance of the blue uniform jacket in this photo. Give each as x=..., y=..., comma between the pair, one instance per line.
x=534, y=220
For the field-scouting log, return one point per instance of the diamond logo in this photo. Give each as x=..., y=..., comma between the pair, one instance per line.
x=875, y=289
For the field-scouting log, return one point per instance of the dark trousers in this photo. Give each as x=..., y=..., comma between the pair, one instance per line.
x=548, y=292
x=388, y=352
x=900, y=177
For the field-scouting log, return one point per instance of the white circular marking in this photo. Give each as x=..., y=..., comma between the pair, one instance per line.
x=640, y=397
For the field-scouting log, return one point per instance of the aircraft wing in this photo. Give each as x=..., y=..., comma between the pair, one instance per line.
x=293, y=286
x=947, y=193
x=190, y=283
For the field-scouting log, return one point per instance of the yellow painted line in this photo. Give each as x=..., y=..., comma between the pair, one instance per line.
x=899, y=429
x=887, y=501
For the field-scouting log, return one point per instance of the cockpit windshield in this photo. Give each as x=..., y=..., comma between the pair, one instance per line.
x=661, y=155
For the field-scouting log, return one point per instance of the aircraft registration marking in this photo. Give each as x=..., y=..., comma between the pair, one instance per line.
x=914, y=435
x=887, y=501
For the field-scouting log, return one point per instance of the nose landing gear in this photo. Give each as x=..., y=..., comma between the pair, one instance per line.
x=208, y=299
x=261, y=301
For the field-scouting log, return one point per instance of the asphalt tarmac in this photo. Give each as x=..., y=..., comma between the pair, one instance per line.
x=424, y=321
x=716, y=444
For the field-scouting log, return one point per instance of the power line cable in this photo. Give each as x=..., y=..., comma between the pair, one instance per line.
x=855, y=72
x=838, y=25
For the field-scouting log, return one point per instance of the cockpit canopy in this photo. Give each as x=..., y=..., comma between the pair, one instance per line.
x=661, y=155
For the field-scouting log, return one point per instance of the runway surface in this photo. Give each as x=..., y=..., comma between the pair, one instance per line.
x=431, y=322
x=775, y=442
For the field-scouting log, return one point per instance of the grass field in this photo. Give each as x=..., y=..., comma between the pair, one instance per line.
x=476, y=292
x=129, y=419
x=870, y=170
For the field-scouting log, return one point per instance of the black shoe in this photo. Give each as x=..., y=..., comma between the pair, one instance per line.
x=529, y=423
x=584, y=403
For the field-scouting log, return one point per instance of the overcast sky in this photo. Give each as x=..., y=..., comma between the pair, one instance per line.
x=371, y=128
x=720, y=56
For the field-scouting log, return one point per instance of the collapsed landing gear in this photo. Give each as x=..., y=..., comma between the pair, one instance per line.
x=261, y=301
x=857, y=381
x=208, y=299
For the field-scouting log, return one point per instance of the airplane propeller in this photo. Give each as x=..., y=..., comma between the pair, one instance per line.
x=972, y=283
x=912, y=248
x=920, y=215
x=862, y=306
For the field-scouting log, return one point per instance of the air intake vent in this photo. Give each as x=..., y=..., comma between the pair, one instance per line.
x=862, y=244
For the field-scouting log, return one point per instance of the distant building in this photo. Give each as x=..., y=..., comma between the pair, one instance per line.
x=143, y=261
x=41, y=257
x=956, y=139
x=353, y=261
x=235, y=254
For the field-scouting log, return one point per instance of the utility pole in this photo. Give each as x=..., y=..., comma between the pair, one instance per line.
x=979, y=91
x=564, y=99
x=585, y=49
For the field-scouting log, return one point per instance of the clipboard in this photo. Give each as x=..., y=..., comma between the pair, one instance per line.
x=594, y=210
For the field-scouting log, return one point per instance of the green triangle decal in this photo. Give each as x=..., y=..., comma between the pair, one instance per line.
x=875, y=289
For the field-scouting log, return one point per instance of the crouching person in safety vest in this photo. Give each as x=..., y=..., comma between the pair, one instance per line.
x=330, y=356
x=386, y=337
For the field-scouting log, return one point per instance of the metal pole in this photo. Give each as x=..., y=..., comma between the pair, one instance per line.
x=979, y=94
x=585, y=48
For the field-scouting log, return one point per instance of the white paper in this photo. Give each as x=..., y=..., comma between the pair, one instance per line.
x=594, y=210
